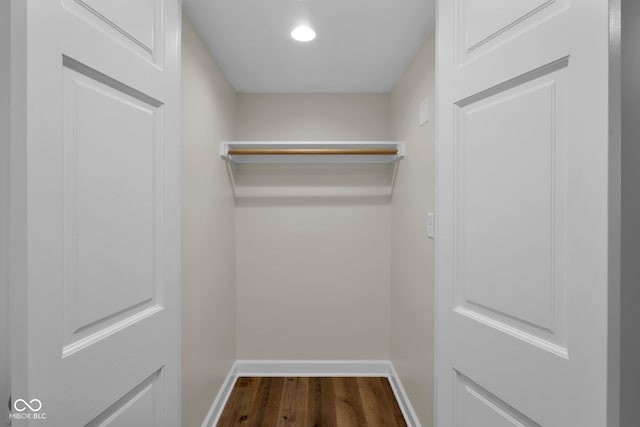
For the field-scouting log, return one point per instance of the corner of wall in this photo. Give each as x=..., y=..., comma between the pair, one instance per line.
x=208, y=229
x=412, y=252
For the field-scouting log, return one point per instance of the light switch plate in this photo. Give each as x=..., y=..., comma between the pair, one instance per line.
x=424, y=112
x=430, y=225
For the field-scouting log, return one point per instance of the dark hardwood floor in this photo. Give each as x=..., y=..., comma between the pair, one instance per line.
x=312, y=402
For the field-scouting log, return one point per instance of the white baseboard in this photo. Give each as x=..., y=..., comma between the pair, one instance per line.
x=311, y=368
x=402, y=398
x=221, y=399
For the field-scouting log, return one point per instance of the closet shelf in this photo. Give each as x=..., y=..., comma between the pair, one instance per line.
x=312, y=152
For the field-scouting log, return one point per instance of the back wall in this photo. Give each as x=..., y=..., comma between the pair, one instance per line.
x=313, y=243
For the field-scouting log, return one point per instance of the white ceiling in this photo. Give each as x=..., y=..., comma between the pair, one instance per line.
x=361, y=45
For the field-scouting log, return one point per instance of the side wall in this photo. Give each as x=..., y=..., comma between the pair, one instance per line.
x=312, y=242
x=208, y=224
x=630, y=272
x=412, y=253
x=5, y=37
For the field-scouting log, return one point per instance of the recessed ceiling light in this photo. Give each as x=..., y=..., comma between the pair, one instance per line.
x=303, y=34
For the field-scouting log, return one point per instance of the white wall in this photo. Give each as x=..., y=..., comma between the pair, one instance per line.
x=313, y=265
x=308, y=117
x=630, y=272
x=5, y=383
x=208, y=224
x=412, y=253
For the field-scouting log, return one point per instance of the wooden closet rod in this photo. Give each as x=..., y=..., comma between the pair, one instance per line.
x=313, y=151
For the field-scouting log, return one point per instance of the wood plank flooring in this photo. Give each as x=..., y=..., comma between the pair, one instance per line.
x=312, y=402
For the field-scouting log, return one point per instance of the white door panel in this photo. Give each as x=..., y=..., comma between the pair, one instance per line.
x=136, y=25
x=523, y=207
x=478, y=407
x=481, y=26
x=510, y=191
x=135, y=20
x=113, y=237
x=97, y=212
x=139, y=407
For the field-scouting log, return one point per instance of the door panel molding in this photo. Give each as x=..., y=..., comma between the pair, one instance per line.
x=140, y=407
x=519, y=168
x=476, y=406
x=136, y=25
x=103, y=284
x=481, y=27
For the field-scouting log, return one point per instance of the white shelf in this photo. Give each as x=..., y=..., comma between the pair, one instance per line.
x=312, y=152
